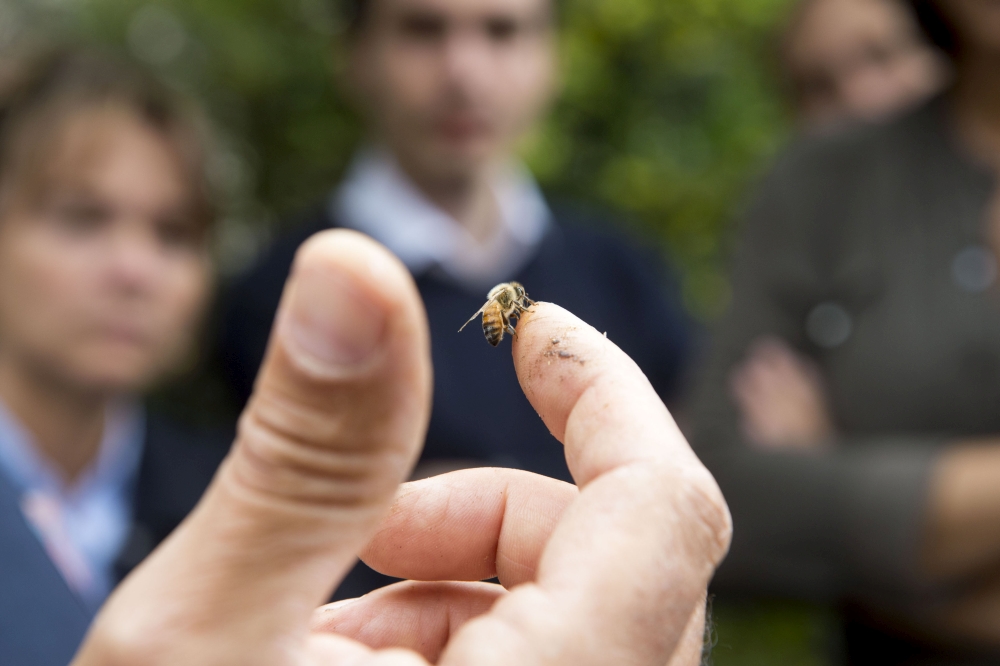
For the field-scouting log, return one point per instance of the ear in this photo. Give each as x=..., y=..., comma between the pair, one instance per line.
x=556, y=75
x=350, y=62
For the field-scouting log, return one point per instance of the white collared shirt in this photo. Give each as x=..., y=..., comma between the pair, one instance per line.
x=83, y=526
x=376, y=198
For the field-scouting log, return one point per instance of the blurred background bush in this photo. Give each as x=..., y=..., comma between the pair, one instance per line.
x=669, y=108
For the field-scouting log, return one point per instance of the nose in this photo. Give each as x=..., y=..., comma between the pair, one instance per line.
x=133, y=259
x=467, y=57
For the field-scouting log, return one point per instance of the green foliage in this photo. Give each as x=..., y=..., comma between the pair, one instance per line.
x=667, y=108
x=770, y=633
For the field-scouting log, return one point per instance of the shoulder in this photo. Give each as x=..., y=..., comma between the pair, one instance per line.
x=178, y=463
x=623, y=285
x=849, y=184
x=836, y=159
x=268, y=273
x=604, y=236
x=612, y=258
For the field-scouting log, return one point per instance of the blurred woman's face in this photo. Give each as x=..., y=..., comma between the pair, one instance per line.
x=858, y=60
x=103, y=278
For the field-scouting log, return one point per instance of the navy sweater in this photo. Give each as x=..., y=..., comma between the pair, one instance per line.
x=480, y=412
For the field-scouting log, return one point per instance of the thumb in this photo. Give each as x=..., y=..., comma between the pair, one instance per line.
x=335, y=424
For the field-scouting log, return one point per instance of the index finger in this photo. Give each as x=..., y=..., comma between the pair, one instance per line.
x=629, y=561
x=593, y=397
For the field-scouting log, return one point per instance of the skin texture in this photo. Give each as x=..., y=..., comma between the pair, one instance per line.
x=102, y=279
x=612, y=572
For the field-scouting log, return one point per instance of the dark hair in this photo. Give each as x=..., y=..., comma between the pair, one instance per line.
x=40, y=93
x=356, y=12
x=938, y=30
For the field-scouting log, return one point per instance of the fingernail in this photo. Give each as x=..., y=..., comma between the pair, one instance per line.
x=331, y=320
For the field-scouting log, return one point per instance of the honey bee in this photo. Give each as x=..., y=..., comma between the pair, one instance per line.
x=504, y=301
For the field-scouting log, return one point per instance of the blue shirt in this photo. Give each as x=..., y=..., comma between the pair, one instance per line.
x=91, y=518
x=378, y=199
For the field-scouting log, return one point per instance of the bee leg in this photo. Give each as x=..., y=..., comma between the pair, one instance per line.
x=507, y=325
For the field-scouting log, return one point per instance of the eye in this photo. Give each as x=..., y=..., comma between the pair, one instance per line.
x=502, y=29
x=179, y=233
x=80, y=217
x=423, y=27
x=879, y=54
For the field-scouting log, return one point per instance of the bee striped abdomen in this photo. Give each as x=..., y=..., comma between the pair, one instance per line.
x=505, y=303
x=493, y=325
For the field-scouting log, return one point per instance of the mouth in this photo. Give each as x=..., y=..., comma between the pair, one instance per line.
x=124, y=335
x=462, y=129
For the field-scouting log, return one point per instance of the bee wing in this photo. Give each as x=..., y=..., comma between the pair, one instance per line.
x=473, y=317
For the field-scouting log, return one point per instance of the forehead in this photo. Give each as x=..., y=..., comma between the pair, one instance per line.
x=462, y=9
x=833, y=25
x=93, y=139
x=81, y=147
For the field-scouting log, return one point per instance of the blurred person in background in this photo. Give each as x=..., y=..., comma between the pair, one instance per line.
x=857, y=60
x=850, y=405
x=448, y=88
x=104, y=274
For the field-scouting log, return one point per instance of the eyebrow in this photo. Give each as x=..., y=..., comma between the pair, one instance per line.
x=535, y=17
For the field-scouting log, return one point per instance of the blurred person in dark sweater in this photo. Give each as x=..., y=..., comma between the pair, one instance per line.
x=104, y=274
x=447, y=88
x=857, y=60
x=849, y=406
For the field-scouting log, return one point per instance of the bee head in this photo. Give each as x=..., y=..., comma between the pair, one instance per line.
x=518, y=289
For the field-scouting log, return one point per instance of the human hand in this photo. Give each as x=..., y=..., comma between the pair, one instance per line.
x=613, y=573
x=781, y=398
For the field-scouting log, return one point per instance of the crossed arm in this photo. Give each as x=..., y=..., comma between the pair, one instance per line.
x=783, y=407
x=612, y=570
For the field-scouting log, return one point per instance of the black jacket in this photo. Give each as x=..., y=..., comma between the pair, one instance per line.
x=42, y=621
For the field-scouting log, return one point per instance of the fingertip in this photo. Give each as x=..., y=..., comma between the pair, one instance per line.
x=353, y=256
x=347, y=297
x=591, y=395
x=557, y=355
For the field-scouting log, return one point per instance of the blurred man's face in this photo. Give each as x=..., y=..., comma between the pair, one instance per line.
x=450, y=85
x=103, y=278
x=858, y=60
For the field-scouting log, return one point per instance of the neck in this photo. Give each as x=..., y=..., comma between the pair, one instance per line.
x=468, y=198
x=66, y=424
x=977, y=105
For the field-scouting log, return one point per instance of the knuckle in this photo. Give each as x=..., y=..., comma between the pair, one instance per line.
x=315, y=459
x=709, y=514
x=120, y=641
